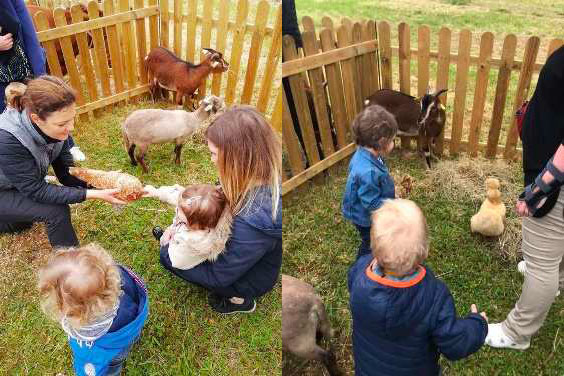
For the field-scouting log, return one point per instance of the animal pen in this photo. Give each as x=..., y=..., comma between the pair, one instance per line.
x=106, y=64
x=344, y=64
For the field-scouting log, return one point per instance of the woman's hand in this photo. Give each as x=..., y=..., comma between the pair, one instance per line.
x=6, y=42
x=107, y=195
x=522, y=209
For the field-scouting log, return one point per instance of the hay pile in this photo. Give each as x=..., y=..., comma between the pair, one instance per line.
x=463, y=180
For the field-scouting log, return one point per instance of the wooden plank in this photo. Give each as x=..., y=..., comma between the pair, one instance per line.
x=297, y=86
x=443, y=69
x=461, y=85
x=480, y=91
x=113, y=45
x=347, y=22
x=178, y=27
x=255, y=52
x=249, y=28
x=327, y=23
x=423, y=45
x=276, y=119
x=123, y=16
x=404, y=68
x=220, y=41
x=165, y=23
x=49, y=46
x=68, y=54
x=236, y=50
x=308, y=24
x=141, y=44
x=553, y=46
x=205, y=41
x=507, y=55
x=529, y=58
x=290, y=68
x=384, y=41
x=105, y=102
x=153, y=27
x=85, y=59
x=348, y=67
x=272, y=63
x=290, y=138
x=319, y=97
x=361, y=86
x=306, y=175
x=371, y=59
x=191, y=30
x=128, y=48
x=100, y=51
x=335, y=88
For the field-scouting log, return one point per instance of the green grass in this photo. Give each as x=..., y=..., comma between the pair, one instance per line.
x=319, y=247
x=182, y=336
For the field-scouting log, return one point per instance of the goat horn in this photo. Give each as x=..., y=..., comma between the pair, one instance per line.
x=440, y=92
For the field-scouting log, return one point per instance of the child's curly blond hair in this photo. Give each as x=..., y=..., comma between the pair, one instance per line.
x=79, y=284
x=399, y=236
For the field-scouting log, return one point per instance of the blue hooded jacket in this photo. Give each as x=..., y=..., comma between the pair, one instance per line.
x=93, y=358
x=400, y=328
x=250, y=264
x=368, y=184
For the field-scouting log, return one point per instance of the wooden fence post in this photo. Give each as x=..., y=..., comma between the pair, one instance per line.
x=220, y=41
x=404, y=52
x=462, y=65
x=348, y=68
x=384, y=41
x=443, y=72
x=236, y=50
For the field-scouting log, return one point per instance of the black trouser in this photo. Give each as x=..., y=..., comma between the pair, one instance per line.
x=227, y=291
x=17, y=213
x=364, y=247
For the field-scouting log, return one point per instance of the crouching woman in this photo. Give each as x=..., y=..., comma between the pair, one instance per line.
x=33, y=137
x=248, y=158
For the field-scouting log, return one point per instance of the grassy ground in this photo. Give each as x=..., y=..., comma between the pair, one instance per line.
x=319, y=247
x=182, y=336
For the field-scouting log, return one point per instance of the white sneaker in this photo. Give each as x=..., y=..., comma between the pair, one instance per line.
x=522, y=268
x=77, y=154
x=496, y=338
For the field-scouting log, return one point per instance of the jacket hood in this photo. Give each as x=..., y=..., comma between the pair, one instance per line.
x=258, y=213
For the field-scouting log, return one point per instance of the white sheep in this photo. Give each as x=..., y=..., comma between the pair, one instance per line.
x=153, y=126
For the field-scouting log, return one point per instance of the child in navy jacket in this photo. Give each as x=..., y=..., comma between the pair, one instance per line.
x=403, y=317
x=101, y=306
x=369, y=181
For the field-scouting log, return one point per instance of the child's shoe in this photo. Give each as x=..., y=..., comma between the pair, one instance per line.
x=496, y=338
x=77, y=154
x=227, y=307
x=157, y=232
x=522, y=268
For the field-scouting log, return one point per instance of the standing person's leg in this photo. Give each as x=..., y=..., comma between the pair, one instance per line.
x=543, y=248
x=364, y=247
x=16, y=210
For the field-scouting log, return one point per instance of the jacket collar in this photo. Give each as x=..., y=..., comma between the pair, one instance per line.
x=367, y=155
x=37, y=134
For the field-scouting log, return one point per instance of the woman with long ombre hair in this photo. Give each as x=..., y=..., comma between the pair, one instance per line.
x=248, y=157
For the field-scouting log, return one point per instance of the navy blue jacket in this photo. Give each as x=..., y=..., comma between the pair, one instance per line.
x=250, y=264
x=369, y=183
x=33, y=50
x=401, y=329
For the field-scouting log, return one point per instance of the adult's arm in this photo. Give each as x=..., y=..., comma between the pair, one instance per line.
x=19, y=167
x=61, y=168
x=243, y=250
x=33, y=49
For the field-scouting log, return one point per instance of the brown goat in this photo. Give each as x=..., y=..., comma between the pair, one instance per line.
x=303, y=318
x=422, y=117
x=167, y=71
x=34, y=9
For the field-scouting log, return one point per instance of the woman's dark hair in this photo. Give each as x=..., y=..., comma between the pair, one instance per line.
x=45, y=95
x=373, y=127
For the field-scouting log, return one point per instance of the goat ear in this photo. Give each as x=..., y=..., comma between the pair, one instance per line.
x=438, y=93
x=215, y=64
x=206, y=52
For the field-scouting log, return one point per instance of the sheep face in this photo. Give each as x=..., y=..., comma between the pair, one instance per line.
x=218, y=63
x=212, y=104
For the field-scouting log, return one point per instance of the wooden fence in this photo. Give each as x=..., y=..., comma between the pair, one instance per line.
x=343, y=65
x=112, y=47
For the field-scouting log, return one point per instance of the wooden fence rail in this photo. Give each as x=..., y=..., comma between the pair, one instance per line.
x=110, y=49
x=343, y=64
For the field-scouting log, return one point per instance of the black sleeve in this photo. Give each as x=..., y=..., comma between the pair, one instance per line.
x=61, y=167
x=19, y=167
x=290, y=21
